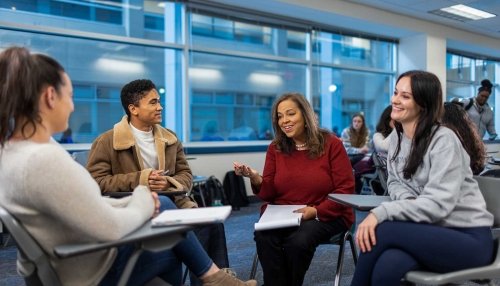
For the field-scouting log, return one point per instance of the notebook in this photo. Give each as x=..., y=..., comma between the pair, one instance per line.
x=192, y=216
x=279, y=216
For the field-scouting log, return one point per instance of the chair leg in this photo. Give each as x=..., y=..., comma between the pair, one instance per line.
x=185, y=275
x=340, y=259
x=255, y=264
x=354, y=251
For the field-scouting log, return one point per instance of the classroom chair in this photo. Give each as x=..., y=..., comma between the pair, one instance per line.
x=42, y=272
x=340, y=240
x=489, y=189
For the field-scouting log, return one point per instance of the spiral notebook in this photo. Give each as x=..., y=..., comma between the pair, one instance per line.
x=192, y=216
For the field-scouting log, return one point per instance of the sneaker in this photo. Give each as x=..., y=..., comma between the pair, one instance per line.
x=223, y=278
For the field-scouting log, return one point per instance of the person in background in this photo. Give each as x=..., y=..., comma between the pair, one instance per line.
x=457, y=119
x=480, y=112
x=66, y=137
x=211, y=132
x=57, y=200
x=384, y=127
x=437, y=219
x=304, y=164
x=356, y=138
x=139, y=151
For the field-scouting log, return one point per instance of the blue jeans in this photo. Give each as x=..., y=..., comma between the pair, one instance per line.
x=405, y=246
x=164, y=264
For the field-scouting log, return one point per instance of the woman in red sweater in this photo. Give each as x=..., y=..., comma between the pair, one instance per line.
x=303, y=165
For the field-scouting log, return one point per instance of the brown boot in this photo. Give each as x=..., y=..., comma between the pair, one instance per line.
x=221, y=278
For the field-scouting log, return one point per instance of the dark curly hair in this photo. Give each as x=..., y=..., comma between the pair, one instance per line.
x=486, y=85
x=134, y=91
x=457, y=119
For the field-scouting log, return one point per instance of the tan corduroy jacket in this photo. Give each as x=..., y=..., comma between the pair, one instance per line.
x=115, y=162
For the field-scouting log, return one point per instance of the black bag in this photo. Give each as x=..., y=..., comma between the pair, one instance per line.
x=212, y=191
x=469, y=105
x=235, y=191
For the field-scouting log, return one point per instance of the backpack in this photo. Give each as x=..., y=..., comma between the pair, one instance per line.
x=235, y=191
x=213, y=192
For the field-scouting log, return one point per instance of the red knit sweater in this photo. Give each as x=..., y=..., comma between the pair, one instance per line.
x=296, y=179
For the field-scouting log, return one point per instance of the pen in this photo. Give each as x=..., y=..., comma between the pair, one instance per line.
x=164, y=173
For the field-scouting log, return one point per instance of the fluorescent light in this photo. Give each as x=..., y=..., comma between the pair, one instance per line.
x=468, y=12
x=119, y=66
x=265, y=78
x=204, y=74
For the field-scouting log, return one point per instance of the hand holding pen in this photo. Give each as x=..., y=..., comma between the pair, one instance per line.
x=157, y=180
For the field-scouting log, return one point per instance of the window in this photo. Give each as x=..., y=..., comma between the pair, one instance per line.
x=342, y=93
x=353, y=51
x=218, y=85
x=464, y=75
x=231, y=97
x=231, y=35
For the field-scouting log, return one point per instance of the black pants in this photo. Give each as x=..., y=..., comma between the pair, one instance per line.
x=213, y=239
x=285, y=254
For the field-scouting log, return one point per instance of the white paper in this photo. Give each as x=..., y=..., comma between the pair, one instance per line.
x=279, y=216
x=192, y=216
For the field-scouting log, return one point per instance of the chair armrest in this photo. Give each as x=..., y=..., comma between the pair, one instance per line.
x=150, y=238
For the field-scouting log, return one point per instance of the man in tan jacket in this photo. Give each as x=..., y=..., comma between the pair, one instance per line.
x=139, y=151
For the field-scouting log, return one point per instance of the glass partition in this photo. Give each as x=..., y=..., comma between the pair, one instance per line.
x=231, y=97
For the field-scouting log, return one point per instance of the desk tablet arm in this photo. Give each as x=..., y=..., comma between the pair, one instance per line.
x=144, y=238
x=161, y=193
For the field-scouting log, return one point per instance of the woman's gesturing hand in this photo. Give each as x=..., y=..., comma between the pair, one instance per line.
x=365, y=235
x=244, y=170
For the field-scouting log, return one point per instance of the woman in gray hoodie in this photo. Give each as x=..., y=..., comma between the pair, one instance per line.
x=437, y=219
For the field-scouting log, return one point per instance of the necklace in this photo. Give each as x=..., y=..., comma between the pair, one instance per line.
x=301, y=147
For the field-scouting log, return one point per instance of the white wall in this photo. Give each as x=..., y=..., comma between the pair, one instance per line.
x=219, y=164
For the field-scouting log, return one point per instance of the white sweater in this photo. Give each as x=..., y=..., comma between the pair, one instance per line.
x=58, y=202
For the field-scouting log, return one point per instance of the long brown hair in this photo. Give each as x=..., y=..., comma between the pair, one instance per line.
x=315, y=136
x=457, y=119
x=22, y=78
x=358, y=137
x=427, y=93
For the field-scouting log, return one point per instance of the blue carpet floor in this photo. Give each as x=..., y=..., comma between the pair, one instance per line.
x=241, y=247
